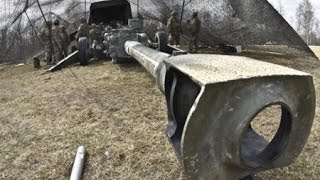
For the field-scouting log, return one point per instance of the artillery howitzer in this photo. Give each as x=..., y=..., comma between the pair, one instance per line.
x=117, y=13
x=114, y=40
x=212, y=100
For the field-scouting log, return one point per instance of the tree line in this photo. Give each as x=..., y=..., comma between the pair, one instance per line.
x=307, y=25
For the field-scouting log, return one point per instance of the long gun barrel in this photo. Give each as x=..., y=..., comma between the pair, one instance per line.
x=151, y=59
x=212, y=100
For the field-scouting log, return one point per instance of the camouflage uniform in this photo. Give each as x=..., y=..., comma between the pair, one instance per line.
x=95, y=39
x=195, y=25
x=57, y=41
x=173, y=27
x=46, y=39
x=94, y=33
x=65, y=40
x=83, y=30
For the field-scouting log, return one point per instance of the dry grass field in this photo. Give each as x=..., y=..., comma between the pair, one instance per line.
x=116, y=112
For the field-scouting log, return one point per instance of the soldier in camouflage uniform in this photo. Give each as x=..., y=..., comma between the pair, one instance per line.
x=57, y=41
x=93, y=35
x=95, y=38
x=65, y=40
x=83, y=30
x=173, y=27
x=46, y=38
x=195, y=25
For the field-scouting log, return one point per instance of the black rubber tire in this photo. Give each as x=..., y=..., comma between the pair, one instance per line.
x=83, y=51
x=162, y=41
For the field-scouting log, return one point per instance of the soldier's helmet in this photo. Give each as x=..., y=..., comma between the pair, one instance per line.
x=195, y=14
x=56, y=22
x=174, y=13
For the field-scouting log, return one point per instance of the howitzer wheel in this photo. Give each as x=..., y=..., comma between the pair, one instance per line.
x=83, y=51
x=162, y=41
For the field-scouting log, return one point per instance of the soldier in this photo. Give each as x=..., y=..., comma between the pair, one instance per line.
x=57, y=41
x=173, y=27
x=195, y=25
x=65, y=40
x=46, y=38
x=83, y=30
x=94, y=33
x=101, y=30
x=101, y=26
x=96, y=38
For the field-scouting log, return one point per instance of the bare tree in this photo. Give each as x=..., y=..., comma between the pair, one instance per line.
x=75, y=10
x=18, y=39
x=306, y=20
x=184, y=4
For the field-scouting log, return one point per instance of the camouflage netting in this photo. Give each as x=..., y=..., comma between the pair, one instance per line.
x=254, y=24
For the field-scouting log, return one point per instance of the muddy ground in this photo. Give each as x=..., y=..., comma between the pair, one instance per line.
x=117, y=113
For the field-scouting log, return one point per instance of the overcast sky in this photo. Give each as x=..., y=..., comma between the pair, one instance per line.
x=290, y=7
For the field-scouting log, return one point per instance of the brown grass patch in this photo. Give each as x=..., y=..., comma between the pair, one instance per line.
x=116, y=112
